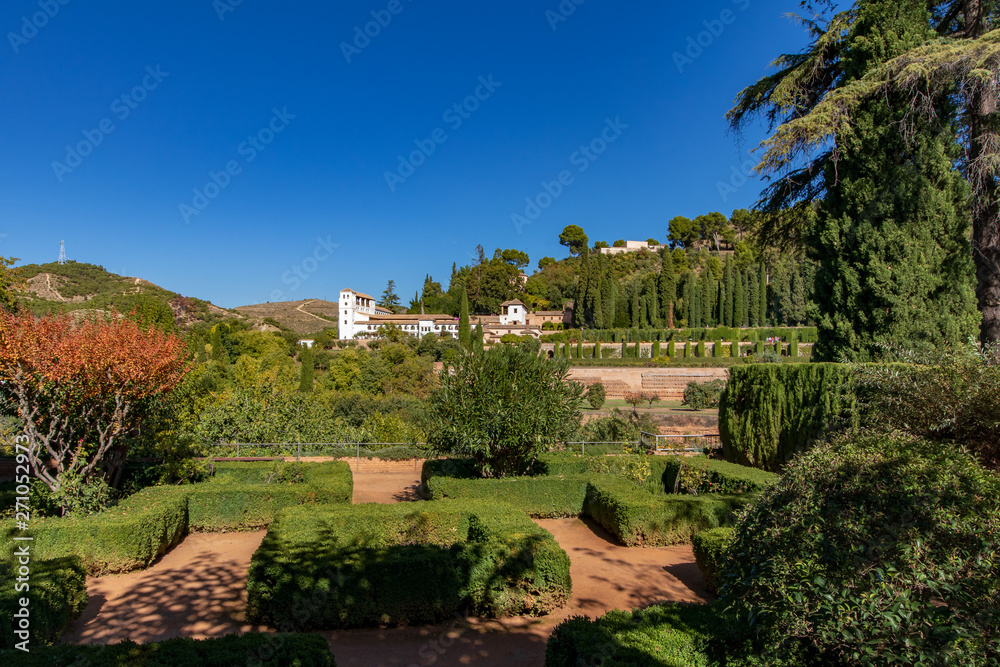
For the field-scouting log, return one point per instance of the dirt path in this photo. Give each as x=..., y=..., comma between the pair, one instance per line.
x=305, y=312
x=198, y=590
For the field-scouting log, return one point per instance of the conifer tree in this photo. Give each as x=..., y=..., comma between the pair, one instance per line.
x=667, y=282
x=891, y=239
x=753, y=307
x=306, y=374
x=762, y=296
x=463, y=322
x=739, y=300
x=729, y=286
x=635, y=308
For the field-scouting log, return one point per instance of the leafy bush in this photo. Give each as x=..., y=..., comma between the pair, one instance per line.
x=768, y=412
x=720, y=476
x=701, y=395
x=879, y=551
x=709, y=550
x=396, y=564
x=639, y=518
x=596, y=395
x=503, y=407
x=951, y=396
x=259, y=649
x=57, y=593
x=678, y=635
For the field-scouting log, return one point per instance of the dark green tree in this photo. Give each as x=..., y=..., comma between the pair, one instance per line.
x=729, y=296
x=762, y=295
x=667, y=286
x=389, y=298
x=574, y=238
x=306, y=374
x=463, y=322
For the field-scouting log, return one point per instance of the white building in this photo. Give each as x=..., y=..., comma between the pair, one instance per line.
x=359, y=317
x=632, y=246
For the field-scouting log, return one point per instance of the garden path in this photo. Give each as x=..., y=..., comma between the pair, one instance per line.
x=198, y=590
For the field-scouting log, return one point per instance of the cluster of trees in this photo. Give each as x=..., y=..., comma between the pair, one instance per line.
x=487, y=283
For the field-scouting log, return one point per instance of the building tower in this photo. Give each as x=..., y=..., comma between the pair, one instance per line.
x=62, y=252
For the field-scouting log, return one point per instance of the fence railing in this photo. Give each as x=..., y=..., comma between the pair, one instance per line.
x=687, y=442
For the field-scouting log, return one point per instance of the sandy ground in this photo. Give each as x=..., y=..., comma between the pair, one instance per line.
x=198, y=590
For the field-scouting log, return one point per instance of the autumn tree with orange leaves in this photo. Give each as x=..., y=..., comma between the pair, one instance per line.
x=84, y=390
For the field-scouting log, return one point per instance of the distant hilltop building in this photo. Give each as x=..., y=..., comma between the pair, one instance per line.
x=632, y=246
x=360, y=317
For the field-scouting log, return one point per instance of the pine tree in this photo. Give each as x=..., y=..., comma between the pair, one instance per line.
x=306, y=374
x=891, y=238
x=463, y=322
x=389, y=299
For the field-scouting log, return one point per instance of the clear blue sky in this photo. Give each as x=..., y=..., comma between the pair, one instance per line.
x=183, y=90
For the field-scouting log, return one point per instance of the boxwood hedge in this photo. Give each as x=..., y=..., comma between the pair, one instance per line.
x=709, y=551
x=723, y=477
x=639, y=518
x=133, y=534
x=541, y=497
x=403, y=564
x=258, y=649
x=57, y=593
x=679, y=635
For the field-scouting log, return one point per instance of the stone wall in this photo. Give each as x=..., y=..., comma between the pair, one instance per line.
x=667, y=383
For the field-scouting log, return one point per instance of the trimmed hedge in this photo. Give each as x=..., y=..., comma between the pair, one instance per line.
x=723, y=477
x=540, y=497
x=709, y=549
x=57, y=594
x=674, y=634
x=129, y=536
x=402, y=564
x=136, y=532
x=769, y=412
x=638, y=518
x=259, y=649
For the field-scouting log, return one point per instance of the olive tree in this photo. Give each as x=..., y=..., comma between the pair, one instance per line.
x=503, y=407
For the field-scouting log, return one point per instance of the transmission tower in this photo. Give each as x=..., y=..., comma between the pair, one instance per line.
x=62, y=252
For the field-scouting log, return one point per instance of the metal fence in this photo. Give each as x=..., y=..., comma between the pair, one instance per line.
x=687, y=442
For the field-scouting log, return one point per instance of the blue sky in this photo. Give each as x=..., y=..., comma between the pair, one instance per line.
x=220, y=149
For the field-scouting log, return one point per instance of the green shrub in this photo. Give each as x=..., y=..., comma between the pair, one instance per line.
x=702, y=395
x=596, y=395
x=768, y=412
x=709, y=548
x=400, y=564
x=258, y=649
x=721, y=476
x=639, y=518
x=879, y=551
x=677, y=635
x=540, y=497
x=127, y=537
x=57, y=593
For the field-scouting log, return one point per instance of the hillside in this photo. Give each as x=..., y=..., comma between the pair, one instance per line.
x=303, y=317
x=77, y=287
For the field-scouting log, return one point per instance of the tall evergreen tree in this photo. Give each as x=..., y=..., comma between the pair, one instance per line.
x=389, y=298
x=891, y=239
x=635, y=307
x=667, y=282
x=762, y=295
x=463, y=322
x=729, y=286
x=306, y=374
x=739, y=300
x=608, y=292
x=753, y=310
x=688, y=302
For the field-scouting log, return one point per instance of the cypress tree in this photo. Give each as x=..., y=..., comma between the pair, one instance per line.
x=608, y=300
x=635, y=308
x=891, y=236
x=597, y=349
x=753, y=308
x=672, y=349
x=656, y=349
x=306, y=374
x=762, y=294
x=740, y=301
x=667, y=283
x=463, y=322
x=728, y=290
x=477, y=337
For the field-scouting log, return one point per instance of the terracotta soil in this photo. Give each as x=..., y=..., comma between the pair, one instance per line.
x=198, y=590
